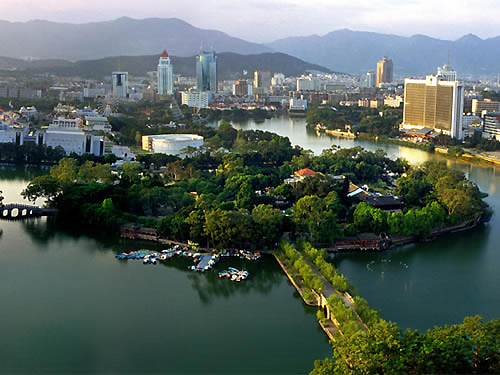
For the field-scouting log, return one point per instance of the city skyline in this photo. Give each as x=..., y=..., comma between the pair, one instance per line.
x=450, y=21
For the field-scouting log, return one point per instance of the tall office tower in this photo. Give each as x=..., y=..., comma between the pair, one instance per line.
x=120, y=84
x=384, y=71
x=434, y=103
x=165, y=75
x=206, y=71
x=262, y=81
x=241, y=88
x=446, y=73
x=370, y=79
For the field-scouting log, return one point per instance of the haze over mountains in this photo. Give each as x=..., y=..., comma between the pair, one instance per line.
x=356, y=51
x=121, y=37
x=229, y=65
x=342, y=50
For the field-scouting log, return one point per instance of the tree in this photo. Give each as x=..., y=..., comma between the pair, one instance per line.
x=65, y=172
x=46, y=187
x=246, y=196
x=312, y=214
x=130, y=174
x=270, y=224
x=227, y=134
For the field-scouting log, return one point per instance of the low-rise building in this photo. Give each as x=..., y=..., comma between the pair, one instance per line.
x=171, y=144
x=97, y=123
x=11, y=134
x=298, y=105
x=71, y=136
x=478, y=106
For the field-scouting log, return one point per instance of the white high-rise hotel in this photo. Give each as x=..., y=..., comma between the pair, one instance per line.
x=434, y=103
x=165, y=75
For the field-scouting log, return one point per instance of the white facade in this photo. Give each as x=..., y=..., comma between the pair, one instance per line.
x=93, y=93
x=120, y=84
x=447, y=73
x=393, y=101
x=309, y=84
x=171, y=144
x=371, y=79
x=9, y=134
x=198, y=99
x=298, y=104
x=28, y=112
x=70, y=135
x=492, y=125
x=278, y=79
x=96, y=123
x=86, y=111
x=165, y=75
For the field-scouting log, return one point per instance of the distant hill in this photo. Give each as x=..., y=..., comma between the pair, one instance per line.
x=356, y=52
x=229, y=65
x=121, y=37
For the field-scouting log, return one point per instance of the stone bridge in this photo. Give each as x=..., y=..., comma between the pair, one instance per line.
x=21, y=211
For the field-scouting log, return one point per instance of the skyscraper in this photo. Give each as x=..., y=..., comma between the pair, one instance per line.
x=262, y=81
x=434, y=103
x=120, y=84
x=384, y=71
x=370, y=79
x=165, y=75
x=206, y=71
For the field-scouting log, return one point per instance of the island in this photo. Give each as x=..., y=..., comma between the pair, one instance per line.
x=252, y=190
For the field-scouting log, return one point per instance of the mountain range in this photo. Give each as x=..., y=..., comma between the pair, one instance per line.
x=342, y=50
x=121, y=37
x=356, y=52
x=229, y=65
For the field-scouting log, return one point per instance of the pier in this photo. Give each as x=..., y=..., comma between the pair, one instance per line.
x=21, y=211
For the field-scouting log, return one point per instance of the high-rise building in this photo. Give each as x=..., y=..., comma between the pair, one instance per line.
x=446, y=73
x=384, y=71
x=120, y=84
x=196, y=99
x=165, y=75
x=262, y=81
x=370, y=79
x=206, y=71
x=241, y=88
x=435, y=104
x=309, y=83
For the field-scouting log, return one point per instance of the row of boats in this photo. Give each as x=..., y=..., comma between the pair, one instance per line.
x=202, y=262
x=234, y=274
x=149, y=257
x=242, y=254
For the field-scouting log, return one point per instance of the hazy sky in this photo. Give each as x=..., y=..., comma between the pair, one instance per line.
x=267, y=20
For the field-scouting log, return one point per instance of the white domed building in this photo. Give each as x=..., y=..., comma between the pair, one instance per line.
x=171, y=144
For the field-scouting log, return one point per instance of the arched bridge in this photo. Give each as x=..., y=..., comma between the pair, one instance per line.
x=21, y=211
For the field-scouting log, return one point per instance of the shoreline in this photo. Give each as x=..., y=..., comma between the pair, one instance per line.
x=466, y=156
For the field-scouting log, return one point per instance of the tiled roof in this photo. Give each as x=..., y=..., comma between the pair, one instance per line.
x=306, y=172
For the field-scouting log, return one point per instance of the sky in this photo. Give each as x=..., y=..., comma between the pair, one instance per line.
x=268, y=20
